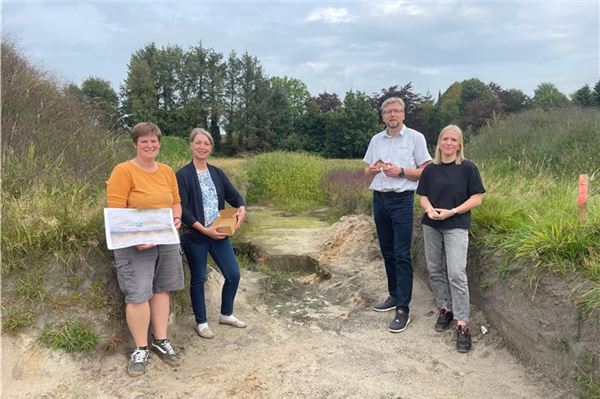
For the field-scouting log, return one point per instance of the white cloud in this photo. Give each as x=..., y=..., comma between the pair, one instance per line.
x=330, y=15
x=401, y=7
x=315, y=67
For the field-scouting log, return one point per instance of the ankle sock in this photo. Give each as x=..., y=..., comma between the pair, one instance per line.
x=202, y=326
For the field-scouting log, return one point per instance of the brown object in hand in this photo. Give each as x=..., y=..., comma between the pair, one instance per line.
x=381, y=164
x=225, y=223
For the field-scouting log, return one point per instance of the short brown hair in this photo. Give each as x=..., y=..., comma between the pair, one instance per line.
x=143, y=129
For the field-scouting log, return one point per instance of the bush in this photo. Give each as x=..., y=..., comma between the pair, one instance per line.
x=348, y=192
x=287, y=179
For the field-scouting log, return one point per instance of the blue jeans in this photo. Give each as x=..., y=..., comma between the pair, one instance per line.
x=394, y=222
x=197, y=256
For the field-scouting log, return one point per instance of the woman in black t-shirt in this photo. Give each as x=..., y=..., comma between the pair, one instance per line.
x=449, y=188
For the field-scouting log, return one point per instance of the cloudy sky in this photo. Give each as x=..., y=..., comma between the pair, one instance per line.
x=331, y=46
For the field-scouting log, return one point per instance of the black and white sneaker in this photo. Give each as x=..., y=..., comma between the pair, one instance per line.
x=388, y=304
x=400, y=322
x=137, y=362
x=165, y=351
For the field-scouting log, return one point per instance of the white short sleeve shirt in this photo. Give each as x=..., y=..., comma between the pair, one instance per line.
x=407, y=149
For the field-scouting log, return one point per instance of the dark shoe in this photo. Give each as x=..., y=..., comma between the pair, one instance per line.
x=444, y=320
x=137, y=362
x=463, y=339
x=388, y=304
x=165, y=351
x=400, y=322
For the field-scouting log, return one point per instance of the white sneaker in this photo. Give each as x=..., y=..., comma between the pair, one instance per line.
x=232, y=321
x=205, y=332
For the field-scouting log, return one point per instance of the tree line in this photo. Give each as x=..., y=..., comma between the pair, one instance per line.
x=247, y=111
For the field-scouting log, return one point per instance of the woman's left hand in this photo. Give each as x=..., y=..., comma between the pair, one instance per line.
x=240, y=216
x=444, y=214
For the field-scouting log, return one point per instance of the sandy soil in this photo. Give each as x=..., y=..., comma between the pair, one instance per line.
x=307, y=338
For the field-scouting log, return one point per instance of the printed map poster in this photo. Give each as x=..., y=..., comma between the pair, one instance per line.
x=127, y=227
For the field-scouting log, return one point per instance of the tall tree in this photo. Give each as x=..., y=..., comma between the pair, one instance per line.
x=478, y=112
x=583, y=97
x=546, y=96
x=193, y=87
x=327, y=102
x=411, y=99
x=215, y=95
x=232, y=121
x=351, y=127
x=596, y=94
x=99, y=92
x=449, y=103
x=513, y=100
x=310, y=130
x=254, y=132
x=288, y=102
x=295, y=91
x=473, y=90
x=139, y=95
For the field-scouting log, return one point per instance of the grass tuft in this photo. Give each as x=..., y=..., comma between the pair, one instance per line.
x=69, y=336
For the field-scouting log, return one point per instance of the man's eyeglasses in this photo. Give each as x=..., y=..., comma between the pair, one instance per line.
x=393, y=111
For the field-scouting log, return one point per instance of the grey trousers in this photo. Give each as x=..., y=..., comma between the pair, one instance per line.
x=446, y=256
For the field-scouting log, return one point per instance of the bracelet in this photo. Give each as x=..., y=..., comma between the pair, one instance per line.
x=176, y=217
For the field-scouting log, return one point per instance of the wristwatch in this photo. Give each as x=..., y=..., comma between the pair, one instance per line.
x=401, y=174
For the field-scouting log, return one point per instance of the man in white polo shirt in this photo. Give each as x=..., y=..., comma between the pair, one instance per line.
x=396, y=158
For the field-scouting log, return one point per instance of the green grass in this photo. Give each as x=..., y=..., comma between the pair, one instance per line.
x=530, y=163
x=69, y=336
x=590, y=385
x=287, y=180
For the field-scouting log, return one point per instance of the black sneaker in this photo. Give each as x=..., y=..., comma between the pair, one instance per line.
x=400, y=322
x=165, y=351
x=388, y=304
x=444, y=320
x=137, y=362
x=463, y=339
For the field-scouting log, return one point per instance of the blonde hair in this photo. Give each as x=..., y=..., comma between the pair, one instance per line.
x=460, y=153
x=392, y=100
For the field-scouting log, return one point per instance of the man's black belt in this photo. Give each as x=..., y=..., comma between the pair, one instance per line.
x=392, y=194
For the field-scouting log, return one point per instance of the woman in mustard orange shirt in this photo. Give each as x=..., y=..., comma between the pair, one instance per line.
x=147, y=273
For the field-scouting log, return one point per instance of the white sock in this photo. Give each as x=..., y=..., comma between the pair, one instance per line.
x=202, y=326
x=228, y=318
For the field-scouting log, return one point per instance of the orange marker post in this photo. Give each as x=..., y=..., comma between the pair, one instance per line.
x=582, y=198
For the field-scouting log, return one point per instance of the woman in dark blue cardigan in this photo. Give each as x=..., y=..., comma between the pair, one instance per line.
x=204, y=189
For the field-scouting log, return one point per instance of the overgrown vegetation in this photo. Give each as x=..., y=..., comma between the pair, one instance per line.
x=55, y=159
x=288, y=180
x=530, y=163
